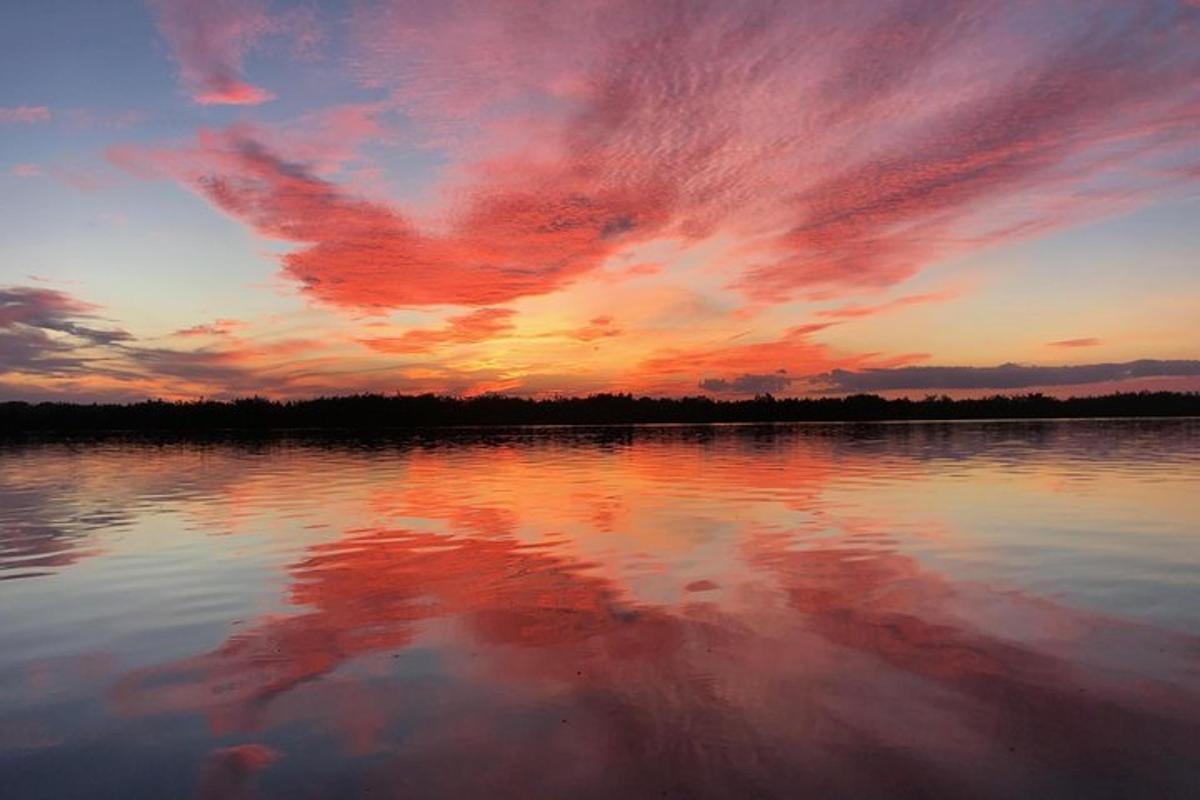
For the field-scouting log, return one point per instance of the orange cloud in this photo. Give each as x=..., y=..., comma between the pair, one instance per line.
x=793, y=353
x=597, y=328
x=1088, y=342
x=478, y=326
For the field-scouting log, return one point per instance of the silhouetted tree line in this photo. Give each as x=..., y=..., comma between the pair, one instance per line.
x=377, y=412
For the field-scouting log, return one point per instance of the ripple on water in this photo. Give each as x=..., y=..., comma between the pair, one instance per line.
x=983, y=609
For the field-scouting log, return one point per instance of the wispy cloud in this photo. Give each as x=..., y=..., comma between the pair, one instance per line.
x=675, y=371
x=601, y=327
x=24, y=115
x=856, y=311
x=849, y=144
x=45, y=331
x=842, y=146
x=210, y=39
x=218, y=327
x=1085, y=342
x=478, y=326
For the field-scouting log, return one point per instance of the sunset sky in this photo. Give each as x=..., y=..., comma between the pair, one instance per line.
x=228, y=197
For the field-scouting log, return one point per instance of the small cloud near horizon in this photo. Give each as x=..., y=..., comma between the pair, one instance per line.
x=1001, y=377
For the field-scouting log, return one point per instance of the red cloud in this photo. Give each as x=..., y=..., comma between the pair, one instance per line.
x=512, y=240
x=842, y=145
x=210, y=39
x=478, y=326
x=847, y=144
x=25, y=114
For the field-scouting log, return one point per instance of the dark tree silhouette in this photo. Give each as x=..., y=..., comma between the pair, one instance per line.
x=368, y=412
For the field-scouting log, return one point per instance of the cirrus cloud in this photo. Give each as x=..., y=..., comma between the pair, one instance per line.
x=210, y=39
x=478, y=326
x=847, y=145
x=843, y=147
x=25, y=115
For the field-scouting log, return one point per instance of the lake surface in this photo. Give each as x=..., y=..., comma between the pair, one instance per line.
x=918, y=610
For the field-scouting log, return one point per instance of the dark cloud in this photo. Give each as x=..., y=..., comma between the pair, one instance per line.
x=1004, y=376
x=217, y=367
x=748, y=383
x=51, y=334
x=48, y=332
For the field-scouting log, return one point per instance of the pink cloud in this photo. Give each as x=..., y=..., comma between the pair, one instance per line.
x=847, y=145
x=86, y=119
x=856, y=311
x=1088, y=342
x=841, y=147
x=210, y=39
x=26, y=170
x=26, y=115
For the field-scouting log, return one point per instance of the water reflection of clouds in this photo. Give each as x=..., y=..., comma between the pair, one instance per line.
x=487, y=606
x=772, y=698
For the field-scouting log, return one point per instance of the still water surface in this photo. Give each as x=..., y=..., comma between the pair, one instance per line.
x=925, y=610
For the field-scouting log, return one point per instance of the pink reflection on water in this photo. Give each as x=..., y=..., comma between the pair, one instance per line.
x=229, y=772
x=852, y=667
x=714, y=618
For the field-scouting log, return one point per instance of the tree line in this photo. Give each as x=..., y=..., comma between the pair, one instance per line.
x=378, y=412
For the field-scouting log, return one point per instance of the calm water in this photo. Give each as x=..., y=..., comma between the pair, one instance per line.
x=966, y=610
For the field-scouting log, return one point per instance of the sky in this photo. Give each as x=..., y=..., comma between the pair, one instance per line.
x=222, y=198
